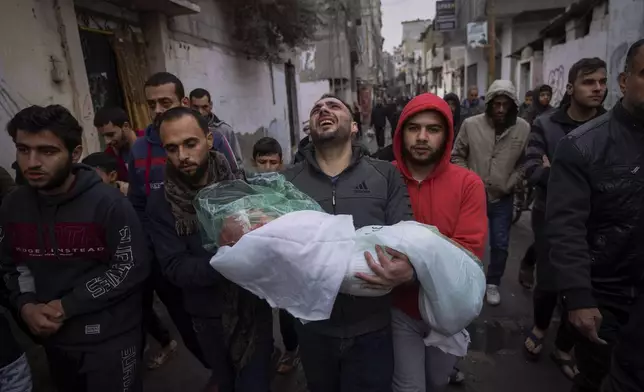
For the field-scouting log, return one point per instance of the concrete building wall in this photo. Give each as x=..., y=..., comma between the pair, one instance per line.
x=626, y=21
x=478, y=57
x=44, y=67
x=308, y=93
x=249, y=95
x=507, y=63
x=558, y=59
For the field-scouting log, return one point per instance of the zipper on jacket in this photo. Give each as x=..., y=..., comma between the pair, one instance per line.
x=333, y=197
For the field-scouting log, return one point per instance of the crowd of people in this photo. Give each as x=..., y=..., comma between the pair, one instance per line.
x=87, y=244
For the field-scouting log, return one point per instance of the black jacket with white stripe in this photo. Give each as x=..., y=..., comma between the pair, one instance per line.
x=374, y=193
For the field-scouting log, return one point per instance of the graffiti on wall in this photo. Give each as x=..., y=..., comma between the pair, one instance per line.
x=558, y=60
x=557, y=80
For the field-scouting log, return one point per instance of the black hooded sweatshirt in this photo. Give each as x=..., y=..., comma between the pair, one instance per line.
x=85, y=247
x=457, y=116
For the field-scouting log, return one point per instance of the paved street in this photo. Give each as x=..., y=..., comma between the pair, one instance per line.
x=495, y=362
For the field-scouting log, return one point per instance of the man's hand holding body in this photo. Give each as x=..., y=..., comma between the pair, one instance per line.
x=389, y=271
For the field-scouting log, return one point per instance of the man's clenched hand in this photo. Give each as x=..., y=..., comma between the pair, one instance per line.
x=42, y=319
x=587, y=321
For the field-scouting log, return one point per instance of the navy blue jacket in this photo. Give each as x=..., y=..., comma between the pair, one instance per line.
x=183, y=260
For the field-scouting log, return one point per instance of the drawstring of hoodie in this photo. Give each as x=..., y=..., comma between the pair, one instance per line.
x=50, y=229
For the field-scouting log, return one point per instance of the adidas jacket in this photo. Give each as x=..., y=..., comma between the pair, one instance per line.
x=374, y=193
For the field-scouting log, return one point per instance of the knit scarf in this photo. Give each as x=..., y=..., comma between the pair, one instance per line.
x=180, y=193
x=240, y=306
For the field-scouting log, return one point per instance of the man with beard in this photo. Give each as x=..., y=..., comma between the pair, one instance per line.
x=353, y=350
x=472, y=105
x=81, y=294
x=201, y=101
x=163, y=91
x=586, y=89
x=443, y=195
x=114, y=126
x=492, y=145
x=626, y=373
x=234, y=328
x=595, y=223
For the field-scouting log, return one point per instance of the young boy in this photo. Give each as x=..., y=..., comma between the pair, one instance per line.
x=107, y=168
x=267, y=155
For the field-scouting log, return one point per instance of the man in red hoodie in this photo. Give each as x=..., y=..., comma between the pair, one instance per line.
x=443, y=195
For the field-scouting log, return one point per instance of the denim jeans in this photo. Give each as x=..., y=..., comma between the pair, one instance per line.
x=499, y=215
x=363, y=363
x=16, y=377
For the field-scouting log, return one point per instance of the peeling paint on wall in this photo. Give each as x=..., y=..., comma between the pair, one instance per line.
x=10, y=104
x=277, y=129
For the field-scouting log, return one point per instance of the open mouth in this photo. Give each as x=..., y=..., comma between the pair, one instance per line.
x=326, y=121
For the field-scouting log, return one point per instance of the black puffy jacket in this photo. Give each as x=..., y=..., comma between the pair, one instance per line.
x=595, y=211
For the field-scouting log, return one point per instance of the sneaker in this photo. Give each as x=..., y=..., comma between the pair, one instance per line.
x=492, y=295
x=162, y=356
x=288, y=361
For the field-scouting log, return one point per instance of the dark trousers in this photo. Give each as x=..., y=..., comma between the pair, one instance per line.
x=530, y=257
x=544, y=303
x=287, y=330
x=627, y=367
x=254, y=377
x=499, y=215
x=380, y=135
x=361, y=364
x=111, y=366
x=545, y=297
x=172, y=297
x=152, y=324
x=594, y=360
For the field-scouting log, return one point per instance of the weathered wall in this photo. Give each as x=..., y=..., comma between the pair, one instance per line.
x=26, y=65
x=558, y=59
x=249, y=95
x=478, y=57
x=308, y=93
x=626, y=18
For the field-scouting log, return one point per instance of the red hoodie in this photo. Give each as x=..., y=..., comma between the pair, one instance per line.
x=451, y=198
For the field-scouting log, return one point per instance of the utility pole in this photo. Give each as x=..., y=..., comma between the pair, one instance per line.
x=491, y=34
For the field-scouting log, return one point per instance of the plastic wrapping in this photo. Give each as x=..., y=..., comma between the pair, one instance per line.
x=227, y=210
